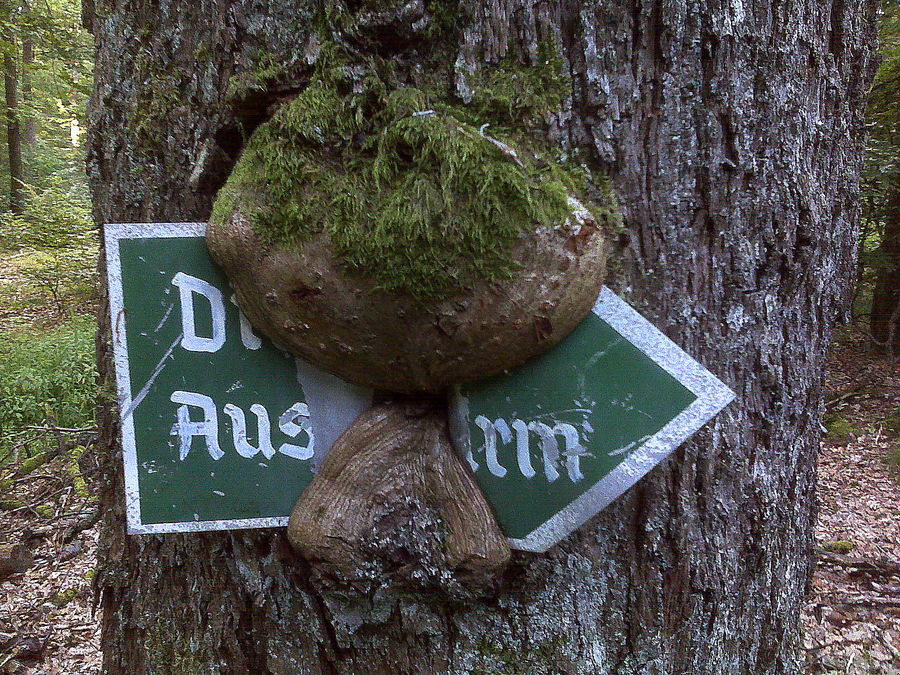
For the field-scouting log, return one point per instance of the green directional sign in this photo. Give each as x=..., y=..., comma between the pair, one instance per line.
x=558, y=439
x=220, y=428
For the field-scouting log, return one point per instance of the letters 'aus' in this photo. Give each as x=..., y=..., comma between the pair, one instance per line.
x=292, y=422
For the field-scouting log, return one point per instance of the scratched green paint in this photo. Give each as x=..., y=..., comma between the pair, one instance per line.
x=612, y=393
x=201, y=488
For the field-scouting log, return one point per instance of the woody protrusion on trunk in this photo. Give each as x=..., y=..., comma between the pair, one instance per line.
x=384, y=230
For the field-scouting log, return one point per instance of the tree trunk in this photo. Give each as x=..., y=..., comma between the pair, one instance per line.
x=733, y=136
x=884, y=319
x=13, y=132
x=30, y=132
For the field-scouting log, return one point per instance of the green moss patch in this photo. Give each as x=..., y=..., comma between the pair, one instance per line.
x=842, y=547
x=516, y=94
x=268, y=69
x=414, y=190
x=64, y=598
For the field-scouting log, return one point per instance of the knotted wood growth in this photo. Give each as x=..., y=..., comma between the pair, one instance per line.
x=392, y=499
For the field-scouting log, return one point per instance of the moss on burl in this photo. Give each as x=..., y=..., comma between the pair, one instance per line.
x=413, y=191
x=407, y=241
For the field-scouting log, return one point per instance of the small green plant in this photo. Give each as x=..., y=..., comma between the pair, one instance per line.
x=46, y=375
x=45, y=510
x=64, y=598
x=842, y=547
x=839, y=428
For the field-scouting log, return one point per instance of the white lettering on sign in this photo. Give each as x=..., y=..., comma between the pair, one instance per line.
x=292, y=422
x=239, y=431
x=188, y=287
x=186, y=430
x=288, y=425
x=574, y=450
x=249, y=339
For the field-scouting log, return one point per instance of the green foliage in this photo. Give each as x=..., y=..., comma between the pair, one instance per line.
x=57, y=215
x=61, y=78
x=883, y=113
x=839, y=428
x=56, y=237
x=55, y=252
x=880, y=180
x=48, y=375
x=883, y=151
x=407, y=184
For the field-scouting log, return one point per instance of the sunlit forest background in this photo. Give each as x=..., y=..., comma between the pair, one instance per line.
x=48, y=300
x=48, y=242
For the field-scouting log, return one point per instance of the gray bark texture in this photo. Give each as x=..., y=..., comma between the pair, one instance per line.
x=732, y=131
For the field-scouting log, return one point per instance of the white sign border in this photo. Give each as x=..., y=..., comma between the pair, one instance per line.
x=712, y=396
x=113, y=234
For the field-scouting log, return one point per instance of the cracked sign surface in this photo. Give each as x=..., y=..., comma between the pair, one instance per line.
x=555, y=441
x=220, y=429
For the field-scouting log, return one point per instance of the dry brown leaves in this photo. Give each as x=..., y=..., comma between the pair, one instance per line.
x=852, y=620
x=46, y=622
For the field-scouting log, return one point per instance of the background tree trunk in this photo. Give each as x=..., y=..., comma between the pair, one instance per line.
x=13, y=131
x=884, y=319
x=732, y=132
x=30, y=123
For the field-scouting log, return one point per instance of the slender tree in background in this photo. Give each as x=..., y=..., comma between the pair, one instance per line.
x=733, y=135
x=882, y=188
x=13, y=125
x=29, y=134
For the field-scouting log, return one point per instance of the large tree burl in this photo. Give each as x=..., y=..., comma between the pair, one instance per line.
x=305, y=300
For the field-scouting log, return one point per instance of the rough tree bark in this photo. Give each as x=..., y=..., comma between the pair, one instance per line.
x=732, y=132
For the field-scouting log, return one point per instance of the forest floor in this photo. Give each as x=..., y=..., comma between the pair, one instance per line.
x=49, y=622
x=852, y=619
